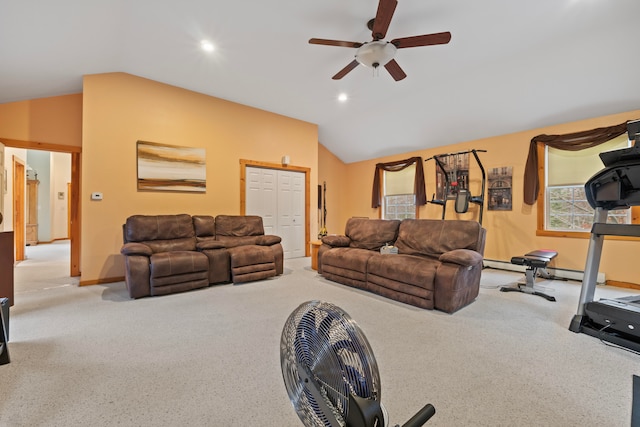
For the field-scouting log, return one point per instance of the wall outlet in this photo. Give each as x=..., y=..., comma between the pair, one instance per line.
x=96, y=196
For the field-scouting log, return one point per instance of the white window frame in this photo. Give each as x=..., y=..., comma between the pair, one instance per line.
x=544, y=209
x=405, y=207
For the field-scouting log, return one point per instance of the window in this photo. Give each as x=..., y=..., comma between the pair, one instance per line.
x=569, y=210
x=399, y=200
x=565, y=207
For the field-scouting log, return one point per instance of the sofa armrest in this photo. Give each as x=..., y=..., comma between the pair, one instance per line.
x=463, y=257
x=136, y=249
x=337, y=241
x=268, y=240
x=457, y=280
x=209, y=244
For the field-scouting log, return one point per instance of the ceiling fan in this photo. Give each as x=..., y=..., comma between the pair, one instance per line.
x=379, y=52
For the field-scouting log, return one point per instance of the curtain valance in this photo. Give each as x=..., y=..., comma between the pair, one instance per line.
x=418, y=185
x=571, y=142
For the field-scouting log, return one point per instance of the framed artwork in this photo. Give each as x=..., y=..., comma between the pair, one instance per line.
x=500, y=191
x=163, y=167
x=457, y=168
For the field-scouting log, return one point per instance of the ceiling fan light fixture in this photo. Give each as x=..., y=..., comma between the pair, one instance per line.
x=375, y=53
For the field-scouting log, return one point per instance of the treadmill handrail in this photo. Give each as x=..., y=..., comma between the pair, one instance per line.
x=627, y=230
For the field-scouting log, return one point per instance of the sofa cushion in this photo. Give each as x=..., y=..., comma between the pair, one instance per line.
x=204, y=226
x=432, y=237
x=235, y=241
x=185, y=244
x=165, y=264
x=239, y=225
x=209, y=244
x=353, y=259
x=141, y=228
x=371, y=234
x=414, y=271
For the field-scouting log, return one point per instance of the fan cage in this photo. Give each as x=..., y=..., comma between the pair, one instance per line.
x=321, y=343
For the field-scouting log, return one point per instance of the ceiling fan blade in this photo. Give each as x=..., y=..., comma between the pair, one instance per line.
x=339, y=43
x=346, y=70
x=424, y=40
x=381, y=22
x=394, y=69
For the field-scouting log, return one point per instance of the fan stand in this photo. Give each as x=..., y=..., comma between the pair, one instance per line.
x=330, y=372
x=364, y=412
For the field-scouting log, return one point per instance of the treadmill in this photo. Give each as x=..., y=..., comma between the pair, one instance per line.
x=617, y=186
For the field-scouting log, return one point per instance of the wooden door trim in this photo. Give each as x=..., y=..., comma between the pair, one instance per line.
x=76, y=168
x=44, y=146
x=68, y=210
x=19, y=183
x=76, y=160
x=307, y=184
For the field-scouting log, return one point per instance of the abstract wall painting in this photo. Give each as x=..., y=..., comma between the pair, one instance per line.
x=163, y=167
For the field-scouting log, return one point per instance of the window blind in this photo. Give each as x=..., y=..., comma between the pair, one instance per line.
x=576, y=167
x=400, y=182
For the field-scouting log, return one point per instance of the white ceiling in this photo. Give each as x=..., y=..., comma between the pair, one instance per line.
x=510, y=65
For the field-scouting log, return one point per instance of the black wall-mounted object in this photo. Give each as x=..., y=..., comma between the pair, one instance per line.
x=6, y=265
x=4, y=331
x=319, y=196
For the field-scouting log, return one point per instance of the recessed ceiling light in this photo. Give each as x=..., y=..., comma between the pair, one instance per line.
x=343, y=97
x=207, y=46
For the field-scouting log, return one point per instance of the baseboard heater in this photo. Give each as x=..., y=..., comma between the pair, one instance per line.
x=561, y=273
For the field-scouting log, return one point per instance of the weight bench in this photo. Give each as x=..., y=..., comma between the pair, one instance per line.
x=533, y=260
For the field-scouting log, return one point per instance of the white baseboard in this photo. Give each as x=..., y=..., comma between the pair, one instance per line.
x=557, y=272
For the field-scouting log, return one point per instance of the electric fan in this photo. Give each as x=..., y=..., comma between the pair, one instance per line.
x=330, y=372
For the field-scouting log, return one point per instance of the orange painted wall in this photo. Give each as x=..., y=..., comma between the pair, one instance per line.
x=510, y=233
x=54, y=120
x=334, y=172
x=120, y=109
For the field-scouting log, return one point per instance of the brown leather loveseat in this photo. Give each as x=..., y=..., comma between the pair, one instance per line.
x=251, y=255
x=438, y=264
x=165, y=254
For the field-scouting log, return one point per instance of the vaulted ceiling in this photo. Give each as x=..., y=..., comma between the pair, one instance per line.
x=510, y=65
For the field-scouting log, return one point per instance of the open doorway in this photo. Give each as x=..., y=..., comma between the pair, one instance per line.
x=41, y=212
x=57, y=203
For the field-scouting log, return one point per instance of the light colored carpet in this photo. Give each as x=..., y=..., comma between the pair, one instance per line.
x=90, y=356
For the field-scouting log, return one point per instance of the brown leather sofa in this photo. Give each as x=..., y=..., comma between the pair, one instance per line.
x=251, y=254
x=165, y=254
x=438, y=264
x=160, y=256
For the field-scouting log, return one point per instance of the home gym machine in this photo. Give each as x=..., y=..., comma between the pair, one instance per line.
x=455, y=186
x=617, y=186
